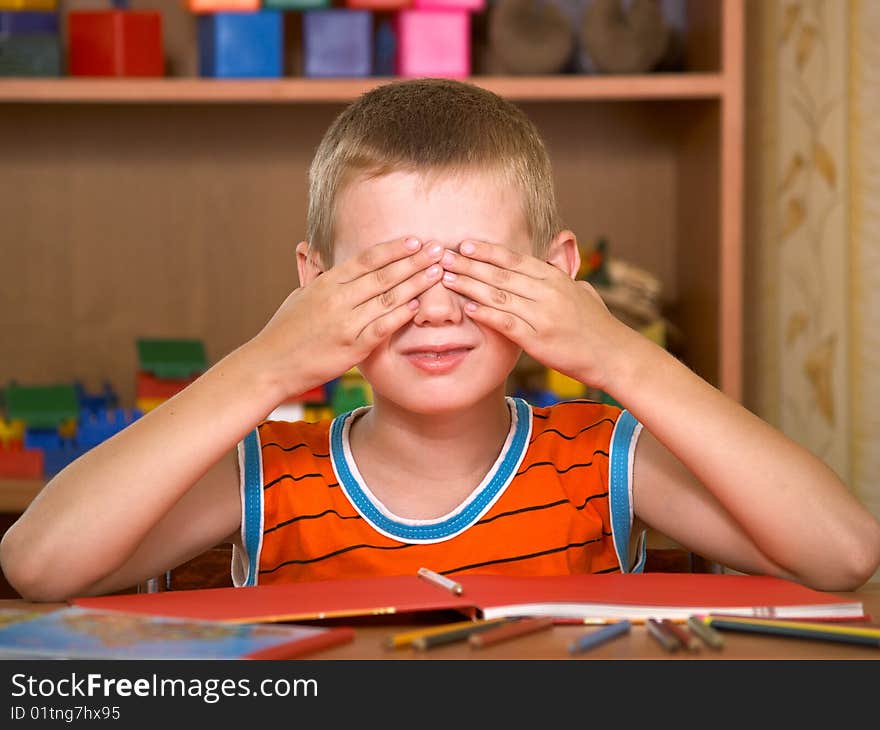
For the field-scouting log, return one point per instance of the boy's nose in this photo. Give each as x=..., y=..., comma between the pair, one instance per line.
x=439, y=305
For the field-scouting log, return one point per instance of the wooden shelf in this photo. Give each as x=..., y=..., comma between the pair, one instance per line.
x=300, y=90
x=17, y=494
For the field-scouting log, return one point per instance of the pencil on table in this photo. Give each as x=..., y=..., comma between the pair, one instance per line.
x=429, y=641
x=709, y=636
x=661, y=635
x=687, y=639
x=509, y=631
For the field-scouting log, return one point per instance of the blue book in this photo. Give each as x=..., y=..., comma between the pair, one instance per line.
x=78, y=633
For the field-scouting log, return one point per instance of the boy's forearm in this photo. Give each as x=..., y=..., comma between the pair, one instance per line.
x=101, y=506
x=791, y=504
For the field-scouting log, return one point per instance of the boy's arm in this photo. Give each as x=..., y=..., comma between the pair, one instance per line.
x=159, y=492
x=724, y=483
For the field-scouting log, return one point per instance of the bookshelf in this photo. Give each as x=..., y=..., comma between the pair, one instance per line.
x=171, y=207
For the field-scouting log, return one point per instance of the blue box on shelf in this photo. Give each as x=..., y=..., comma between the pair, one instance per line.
x=29, y=44
x=241, y=45
x=337, y=43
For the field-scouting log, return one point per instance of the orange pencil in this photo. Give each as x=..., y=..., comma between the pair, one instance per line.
x=510, y=631
x=687, y=639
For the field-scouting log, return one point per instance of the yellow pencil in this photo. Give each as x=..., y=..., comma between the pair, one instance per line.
x=872, y=632
x=399, y=641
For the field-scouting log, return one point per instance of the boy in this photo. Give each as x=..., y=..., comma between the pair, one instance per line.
x=435, y=255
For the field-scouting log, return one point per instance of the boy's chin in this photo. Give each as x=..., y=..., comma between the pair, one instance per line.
x=439, y=402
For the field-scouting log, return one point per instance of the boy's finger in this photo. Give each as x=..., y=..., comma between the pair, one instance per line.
x=504, y=258
x=495, y=276
x=382, y=327
x=413, y=286
x=382, y=283
x=491, y=296
x=512, y=327
x=377, y=256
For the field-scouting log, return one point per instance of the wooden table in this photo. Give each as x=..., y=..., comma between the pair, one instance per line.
x=553, y=643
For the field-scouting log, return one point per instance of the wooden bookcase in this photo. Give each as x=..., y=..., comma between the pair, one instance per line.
x=171, y=207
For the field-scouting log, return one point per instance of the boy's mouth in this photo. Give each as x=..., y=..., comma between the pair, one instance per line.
x=437, y=359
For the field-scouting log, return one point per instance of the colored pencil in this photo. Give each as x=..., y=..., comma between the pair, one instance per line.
x=661, y=635
x=687, y=639
x=509, y=631
x=441, y=581
x=406, y=638
x=599, y=636
x=429, y=641
x=797, y=630
x=710, y=637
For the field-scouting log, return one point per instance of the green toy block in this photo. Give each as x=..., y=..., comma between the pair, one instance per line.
x=41, y=406
x=296, y=4
x=172, y=358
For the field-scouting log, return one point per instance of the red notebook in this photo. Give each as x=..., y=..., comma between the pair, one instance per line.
x=613, y=596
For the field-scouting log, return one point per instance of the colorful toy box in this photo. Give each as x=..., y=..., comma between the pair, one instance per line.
x=29, y=44
x=241, y=45
x=434, y=43
x=337, y=43
x=115, y=43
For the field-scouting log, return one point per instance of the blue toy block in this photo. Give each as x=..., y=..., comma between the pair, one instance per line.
x=384, y=61
x=95, y=428
x=538, y=398
x=28, y=23
x=96, y=402
x=337, y=42
x=42, y=438
x=54, y=460
x=241, y=45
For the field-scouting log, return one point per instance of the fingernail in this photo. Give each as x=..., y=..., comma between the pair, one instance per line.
x=413, y=304
x=470, y=306
x=448, y=257
x=449, y=276
x=435, y=249
x=467, y=247
x=413, y=244
x=434, y=272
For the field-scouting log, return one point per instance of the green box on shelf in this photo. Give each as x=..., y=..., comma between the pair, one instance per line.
x=172, y=358
x=41, y=406
x=30, y=55
x=296, y=4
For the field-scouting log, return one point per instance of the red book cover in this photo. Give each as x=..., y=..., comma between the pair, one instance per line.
x=612, y=596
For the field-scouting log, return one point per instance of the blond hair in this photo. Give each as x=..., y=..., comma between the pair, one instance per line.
x=431, y=126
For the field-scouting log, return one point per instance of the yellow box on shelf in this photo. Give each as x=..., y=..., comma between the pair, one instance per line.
x=28, y=4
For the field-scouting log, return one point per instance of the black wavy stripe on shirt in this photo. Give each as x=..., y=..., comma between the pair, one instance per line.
x=497, y=561
x=313, y=475
x=293, y=448
x=557, y=469
x=484, y=521
x=574, y=435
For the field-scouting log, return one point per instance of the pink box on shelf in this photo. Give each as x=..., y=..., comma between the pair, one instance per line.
x=221, y=6
x=378, y=4
x=434, y=43
x=472, y=5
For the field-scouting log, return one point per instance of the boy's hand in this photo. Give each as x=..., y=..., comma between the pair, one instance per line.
x=330, y=325
x=560, y=322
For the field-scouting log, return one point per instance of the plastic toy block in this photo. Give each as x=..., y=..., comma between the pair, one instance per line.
x=28, y=5
x=107, y=398
x=315, y=395
x=41, y=406
x=145, y=405
x=171, y=358
x=434, y=43
x=296, y=4
x=287, y=412
x=21, y=463
x=29, y=44
x=352, y=391
x=564, y=386
x=379, y=4
x=115, y=43
x=471, y=5
x=241, y=45
x=54, y=460
x=313, y=414
x=219, y=6
x=28, y=23
x=97, y=428
x=538, y=398
x=385, y=49
x=11, y=432
x=148, y=385
x=42, y=438
x=337, y=42
x=67, y=429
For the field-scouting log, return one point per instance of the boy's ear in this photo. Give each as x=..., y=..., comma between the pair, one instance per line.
x=308, y=264
x=564, y=254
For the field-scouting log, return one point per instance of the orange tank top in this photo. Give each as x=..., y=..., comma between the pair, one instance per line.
x=557, y=500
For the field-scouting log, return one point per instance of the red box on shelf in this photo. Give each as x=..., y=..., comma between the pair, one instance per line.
x=115, y=43
x=20, y=463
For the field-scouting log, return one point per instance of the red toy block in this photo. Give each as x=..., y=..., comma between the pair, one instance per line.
x=315, y=395
x=21, y=463
x=115, y=43
x=149, y=386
